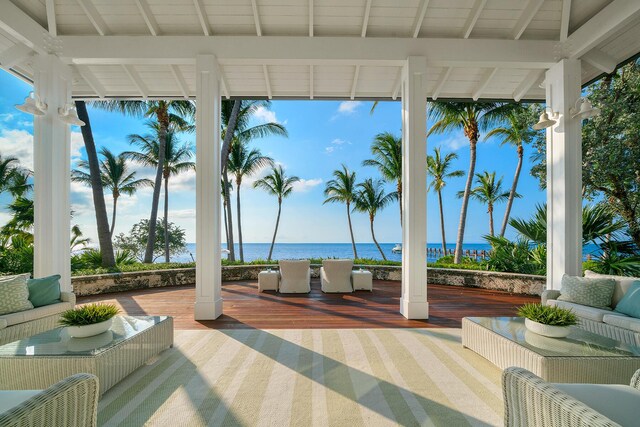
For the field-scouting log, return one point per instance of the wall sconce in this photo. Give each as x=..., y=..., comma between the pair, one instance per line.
x=583, y=109
x=546, y=120
x=33, y=105
x=69, y=115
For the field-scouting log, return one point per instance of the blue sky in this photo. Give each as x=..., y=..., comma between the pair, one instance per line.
x=322, y=136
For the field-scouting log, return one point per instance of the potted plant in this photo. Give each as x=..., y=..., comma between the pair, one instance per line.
x=88, y=320
x=548, y=320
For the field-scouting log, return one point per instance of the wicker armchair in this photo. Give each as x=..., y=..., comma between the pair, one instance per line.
x=530, y=401
x=72, y=402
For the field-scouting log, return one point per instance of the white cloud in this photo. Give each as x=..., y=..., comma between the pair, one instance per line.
x=348, y=107
x=182, y=214
x=339, y=141
x=186, y=181
x=19, y=144
x=305, y=185
x=264, y=115
x=454, y=143
x=329, y=149
x=77, y=142
x=6, y=117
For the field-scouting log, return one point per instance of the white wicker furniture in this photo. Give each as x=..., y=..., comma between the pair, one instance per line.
x=268, y=280
x=335, y=275
x=362, y=280
x=295, y=276
x=529, y=401
x=41, y=360
x=582, y=357
x=15, y=326
x=72, y=402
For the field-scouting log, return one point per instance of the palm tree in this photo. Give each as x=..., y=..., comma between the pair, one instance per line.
x=278, y=184
x=8, y=167
x=244, y=162
x=115, y=176
x=470, y=117
x=341, y=189
x=438, y=168
x=371, y=198
x=229, y=187
x=174, y=160
x=387, y=157
x=489, y=191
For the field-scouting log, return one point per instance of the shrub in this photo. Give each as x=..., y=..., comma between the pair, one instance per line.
x=516, y=257
x=548, y=315
x=88, y=315
x=136, y=241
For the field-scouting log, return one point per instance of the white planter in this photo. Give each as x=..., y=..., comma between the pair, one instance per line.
x=89, y=330
x=547, y=330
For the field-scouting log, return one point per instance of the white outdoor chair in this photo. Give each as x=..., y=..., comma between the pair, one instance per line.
x=295, y=276
x=335, y=275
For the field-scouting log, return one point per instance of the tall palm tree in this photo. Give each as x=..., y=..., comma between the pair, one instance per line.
x=229, y=187
x=439, y=170
x=387, y=157
x=8, y=167
x=470, y=117
x=489, y=191
x=371, y=198
x=342, y=189
x=278, y=184
x=116, y=177
x=174, y=161
x=244, y=162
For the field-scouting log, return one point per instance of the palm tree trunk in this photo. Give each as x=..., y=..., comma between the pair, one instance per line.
x=226, y=225
x=399, y=189
x=226, y=146
x=227, y=203
x=512, y=193
x=102, y=222
x=163, y=120
x=273, y=241
x=444, y=240
x=465, y=201
x=166, y=219
x=490, y=210
x=373, y=236
x=238, y=182
x=113, y=215
x=353, y=241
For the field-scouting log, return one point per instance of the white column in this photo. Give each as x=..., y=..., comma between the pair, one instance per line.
x=564, y=174
x=51, y=164
x=208, y=204
x=413, y=303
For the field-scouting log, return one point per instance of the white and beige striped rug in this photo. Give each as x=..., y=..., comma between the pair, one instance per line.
x=330, y=377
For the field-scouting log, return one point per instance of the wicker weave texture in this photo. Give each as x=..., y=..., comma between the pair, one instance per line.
x=27, y=329
x=614, y=332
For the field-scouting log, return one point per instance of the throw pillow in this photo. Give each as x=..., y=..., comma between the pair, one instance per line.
x=44, y=291
x=623, y=283
x=585, y=291
x=14, y=294
x=630, y=302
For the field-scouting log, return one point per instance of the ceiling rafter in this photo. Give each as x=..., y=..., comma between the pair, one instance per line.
x=602, y=61
x=533, y=77
x=182, y=84
x=136, y=79
x=354, y=84
x=96, y=19
x=223, y=83
x=15, y=55
x=52, y=25
x=365, y=19
x=202, y=17
x=483, y=83
x=91, y=80
x=310, y=18
x=417, y=23
x=311, y=82
x=267, y=81
x=474, y=14
x=397, y=84
x=526, y=16
x=148, y=17
x=256, y=17
x=564, y=20
x=442, y=80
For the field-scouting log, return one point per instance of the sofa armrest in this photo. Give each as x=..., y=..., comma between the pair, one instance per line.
x=68, y=297
x=635, y=380
x=3, y=323
x=549, y=294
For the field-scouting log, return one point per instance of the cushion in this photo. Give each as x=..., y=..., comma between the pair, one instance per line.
x=586, y=291
x=14, y=294
x=12, y=398
x=623, y=322
x=583, y=311
x=619, y=403
x=36, y=313
x=44, y=291
x=630, y=302
x=623, y=283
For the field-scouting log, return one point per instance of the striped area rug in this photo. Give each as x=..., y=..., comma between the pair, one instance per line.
x=330, y=377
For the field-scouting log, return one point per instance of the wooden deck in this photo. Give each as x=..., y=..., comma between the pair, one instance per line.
x=244, y=307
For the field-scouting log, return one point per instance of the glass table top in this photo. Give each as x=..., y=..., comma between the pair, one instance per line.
x=579, y=343
x=57, y=342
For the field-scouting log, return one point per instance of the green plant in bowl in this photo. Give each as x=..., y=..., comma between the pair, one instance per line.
x=548, y=315
x=89, y=314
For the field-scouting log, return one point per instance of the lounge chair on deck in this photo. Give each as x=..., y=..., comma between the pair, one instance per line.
x=335, y=275
x=295, y=276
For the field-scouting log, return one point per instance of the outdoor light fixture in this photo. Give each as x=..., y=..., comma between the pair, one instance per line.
x=69, y=115
x=546, y=120
x=583, y=109
x=33, y=105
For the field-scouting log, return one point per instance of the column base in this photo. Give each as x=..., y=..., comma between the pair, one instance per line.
x=414, y=310
x=207, y=310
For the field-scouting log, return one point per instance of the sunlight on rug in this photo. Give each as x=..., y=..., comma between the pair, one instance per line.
x=330, y=377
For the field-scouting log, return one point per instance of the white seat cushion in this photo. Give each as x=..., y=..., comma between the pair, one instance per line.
x=590, y=313
x=621, y=321
x=36, y=313
x=619, y=403
x=12, y=398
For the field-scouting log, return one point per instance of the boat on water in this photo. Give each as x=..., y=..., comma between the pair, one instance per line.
x=397, y=249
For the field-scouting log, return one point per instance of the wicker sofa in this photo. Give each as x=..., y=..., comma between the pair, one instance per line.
x=603, y=321
x=15, y=326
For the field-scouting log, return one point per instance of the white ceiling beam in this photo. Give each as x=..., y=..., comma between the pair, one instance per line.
x=50, y=6
x=526, y=16
x=311, y=82
x=474, y=14
x=15, y=55
x=354, y=84
x=564, y=20
x=365, y=19
x=602, y=61
x=533, y=77
x=91, y=80
x=202, y=17
x=223, y=84
x=483, y=84
x=256, y=17
x=182, y=84
x=267, y=81
x=611, y=18
x=137, y=80
x=148, y=17
x=442, y=80
x=92, y=13
x=397, y=85
x=310, y=18
x=417, y=23
x=20, y=26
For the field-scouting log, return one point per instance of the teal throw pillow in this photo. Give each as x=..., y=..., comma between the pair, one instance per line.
x=14, y=294
x=630, y=302
x=44, y=291
x=585, y=291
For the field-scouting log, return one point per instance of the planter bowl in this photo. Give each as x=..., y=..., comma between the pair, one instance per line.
x=85, y=331
x=547, y=330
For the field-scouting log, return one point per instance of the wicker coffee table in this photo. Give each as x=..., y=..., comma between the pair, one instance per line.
x=582, y=357
x=39, y=361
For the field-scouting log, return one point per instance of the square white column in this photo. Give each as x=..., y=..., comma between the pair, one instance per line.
x=208, y=204
x=413, y=303
x=564, y=174
x=52, y=172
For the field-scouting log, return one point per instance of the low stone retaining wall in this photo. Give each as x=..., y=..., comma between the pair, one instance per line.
x=117, y=282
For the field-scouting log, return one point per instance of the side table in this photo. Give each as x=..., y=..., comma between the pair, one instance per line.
x=268, y=280
x=362, y=280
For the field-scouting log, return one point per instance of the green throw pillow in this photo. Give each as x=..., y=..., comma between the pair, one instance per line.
x=585, y=291
x=14, y=294
x=630, y=302
x=44, y=291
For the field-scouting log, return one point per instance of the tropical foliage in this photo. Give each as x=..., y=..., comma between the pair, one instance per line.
x=88, y=314
x=488, y=192
x=548, y=315
x=386, y=149
x=135, y=242
x=342, y=189
x=370, y=199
